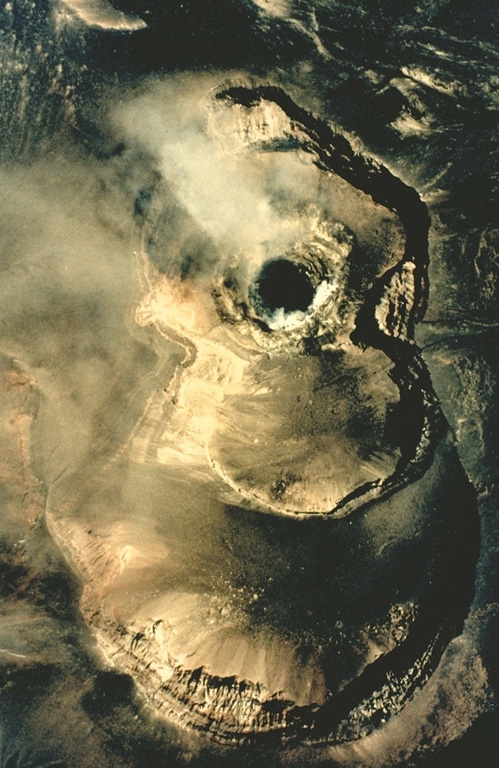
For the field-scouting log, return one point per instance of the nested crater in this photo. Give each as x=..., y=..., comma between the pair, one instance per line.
x=286, y=626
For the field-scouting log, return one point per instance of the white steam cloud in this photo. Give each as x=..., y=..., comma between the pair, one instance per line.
x=233, y=191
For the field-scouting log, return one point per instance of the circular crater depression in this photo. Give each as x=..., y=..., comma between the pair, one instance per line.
x=283, y=285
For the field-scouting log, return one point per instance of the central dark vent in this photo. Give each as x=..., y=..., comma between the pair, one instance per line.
x=284, y=285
